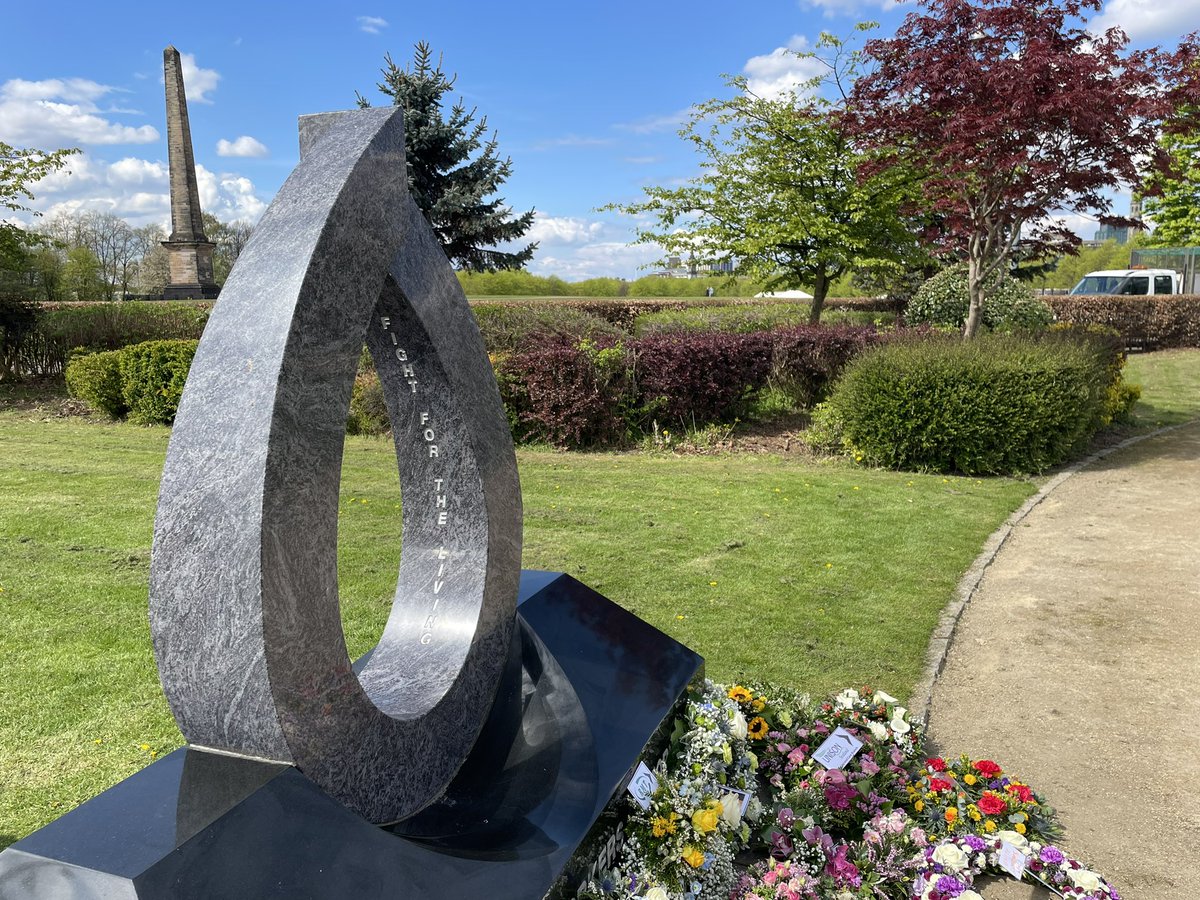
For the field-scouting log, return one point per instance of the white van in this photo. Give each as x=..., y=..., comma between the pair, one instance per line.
x=1137, y=282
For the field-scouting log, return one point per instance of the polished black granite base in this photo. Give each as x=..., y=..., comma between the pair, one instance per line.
x=590, y=690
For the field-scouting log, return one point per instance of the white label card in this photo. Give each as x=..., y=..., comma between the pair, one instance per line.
x=1012, y=860
x=838, y=749
x=642, y=785
x=744, y=795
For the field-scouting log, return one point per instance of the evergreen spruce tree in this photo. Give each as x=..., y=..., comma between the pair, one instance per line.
x=453, y=168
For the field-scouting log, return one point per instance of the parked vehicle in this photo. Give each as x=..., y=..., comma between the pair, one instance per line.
x=1136, y=282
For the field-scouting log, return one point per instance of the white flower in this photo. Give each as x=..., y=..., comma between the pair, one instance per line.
x=847, y=698
x=879, y=730
x=657, y=893
x=1083, y=878
x=1017, y=840
x=897, y=724
x=737, y=725
x=731, y=809
x=950, y=856
x=881, y=697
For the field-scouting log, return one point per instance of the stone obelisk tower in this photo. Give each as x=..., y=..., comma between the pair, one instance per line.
x=191, y=253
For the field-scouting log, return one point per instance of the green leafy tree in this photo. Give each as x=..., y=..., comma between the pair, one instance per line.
x=20, y=169
x=454, y=168
x=83, y=276
x=230, y=238
x=780, y=193
x=1173, y=201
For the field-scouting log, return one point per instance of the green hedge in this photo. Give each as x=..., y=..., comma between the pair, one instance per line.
x=143, y=382
x=999, y=404
x=746, y=318
x=66, y=327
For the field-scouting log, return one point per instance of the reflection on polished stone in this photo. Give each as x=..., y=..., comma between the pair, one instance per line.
x=589, y=690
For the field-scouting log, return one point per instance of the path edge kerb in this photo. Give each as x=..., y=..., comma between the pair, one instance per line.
x=943, y=635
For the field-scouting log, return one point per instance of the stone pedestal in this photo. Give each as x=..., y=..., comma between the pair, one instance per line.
x=191, y=273
x=590, y=690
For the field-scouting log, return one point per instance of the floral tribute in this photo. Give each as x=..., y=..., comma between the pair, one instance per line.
x=744, y=810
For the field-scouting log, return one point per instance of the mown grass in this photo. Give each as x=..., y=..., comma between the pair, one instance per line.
x=1171, y=387
x=815, y=575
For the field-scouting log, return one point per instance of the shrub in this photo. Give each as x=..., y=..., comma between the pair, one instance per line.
x=508, y=327
x=107, y=326
x=568, y=394
x=693, y=379
x=1146, y=322
x=152, y=378
x=95, y=378
x=996, y=405
x=806, y=360
x=748, y=317
x=18, y=319
x=368, y=409
x=945, y=300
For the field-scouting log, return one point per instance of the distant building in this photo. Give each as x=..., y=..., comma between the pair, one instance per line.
x=678, y=267
x=1121, y=233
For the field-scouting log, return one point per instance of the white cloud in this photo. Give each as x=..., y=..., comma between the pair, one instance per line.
x=573, y=140
x=642, y=160
x=781, y=71
x=197, y=82
x=372, y=24
x=650, y=124
x=850, y=7
x=1147, y=20
x=243, y=146
x=558, y=230
x=138, y=190
x=62, y=112
x=604, y=259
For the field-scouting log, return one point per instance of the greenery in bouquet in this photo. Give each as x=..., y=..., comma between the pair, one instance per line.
x=977, y=796
x=873, y=782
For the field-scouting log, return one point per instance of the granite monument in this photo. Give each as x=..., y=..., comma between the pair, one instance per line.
x=484, y=743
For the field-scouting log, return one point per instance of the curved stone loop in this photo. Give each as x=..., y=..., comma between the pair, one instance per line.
x=243, y=600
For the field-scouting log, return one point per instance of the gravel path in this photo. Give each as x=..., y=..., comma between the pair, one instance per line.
x=1077, y=666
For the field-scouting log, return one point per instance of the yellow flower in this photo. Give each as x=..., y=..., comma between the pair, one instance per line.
x=989, y=826
x=1019, y=828
x=663, y=826
x=969, y=778
x=757, y=728
x=705, y=820
x=759, y=704
x=919, y=805
x=951, y=815
x=693, y=857
x=973, y=812
x=739, y=694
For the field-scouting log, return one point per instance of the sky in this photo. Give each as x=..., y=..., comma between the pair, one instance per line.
x=585, y=97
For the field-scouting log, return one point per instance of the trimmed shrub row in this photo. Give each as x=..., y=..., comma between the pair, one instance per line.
x=745, y=318
x=1148, y=322
x=142, y=382
x=1000, y=404
x=65, y=328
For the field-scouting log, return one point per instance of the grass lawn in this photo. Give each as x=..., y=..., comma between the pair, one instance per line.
x=1171, y=386
x=816, y=575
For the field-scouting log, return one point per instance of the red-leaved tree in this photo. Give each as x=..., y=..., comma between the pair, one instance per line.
x=1015, y=114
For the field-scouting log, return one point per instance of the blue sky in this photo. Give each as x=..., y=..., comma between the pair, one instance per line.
x=586, y=97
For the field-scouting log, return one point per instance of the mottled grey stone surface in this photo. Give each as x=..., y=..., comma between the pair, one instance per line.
x=244, y=603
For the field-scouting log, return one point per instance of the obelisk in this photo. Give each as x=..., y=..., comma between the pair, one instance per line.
x=189, y=251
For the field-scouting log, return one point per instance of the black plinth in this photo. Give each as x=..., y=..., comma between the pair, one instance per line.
x=591, y=689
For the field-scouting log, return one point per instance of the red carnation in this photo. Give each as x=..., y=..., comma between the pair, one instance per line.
x=937, y=764
x=939, y=784
x=1022, y=791
x=991, y=804
x=987, y=768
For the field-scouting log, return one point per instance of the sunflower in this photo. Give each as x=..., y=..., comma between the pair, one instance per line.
x=757, y=728
x=739, y=694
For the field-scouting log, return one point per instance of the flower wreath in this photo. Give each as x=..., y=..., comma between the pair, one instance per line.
x=951, y=866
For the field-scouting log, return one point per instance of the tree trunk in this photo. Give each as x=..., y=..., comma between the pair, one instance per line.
x=975, y=310
x=820, y=289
